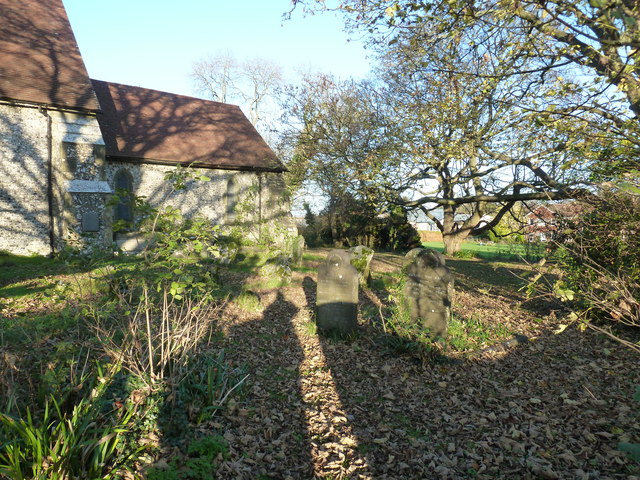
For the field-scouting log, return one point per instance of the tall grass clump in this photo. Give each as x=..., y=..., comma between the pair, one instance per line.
x=81, y=439
x=157, y=342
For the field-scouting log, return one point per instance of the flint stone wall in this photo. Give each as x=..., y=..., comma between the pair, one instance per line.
x=77, y=152
x=83, y=180
x=258, y=199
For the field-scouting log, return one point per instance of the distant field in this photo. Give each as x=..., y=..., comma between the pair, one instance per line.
x=497, y=251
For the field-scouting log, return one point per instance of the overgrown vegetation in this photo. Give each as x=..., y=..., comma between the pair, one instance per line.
x=598, y=263
x=121, y=361
x=145, y=368
x=403, y=335
x=120, y=343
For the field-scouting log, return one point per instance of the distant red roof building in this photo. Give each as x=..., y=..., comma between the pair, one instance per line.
x=542, y=221
x=150, y=126
x=40, y=62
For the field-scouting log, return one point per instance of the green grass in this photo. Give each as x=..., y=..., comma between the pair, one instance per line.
x=15, y=267
x=248, y=262
x=249, y=302
x=312, y=257
x=498, y=251
x=474, y=334
x=310, y=328
x=488, y=276
x=269, y=283
x=304, y=269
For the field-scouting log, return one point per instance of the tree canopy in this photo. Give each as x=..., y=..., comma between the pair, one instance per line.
x=500, y=101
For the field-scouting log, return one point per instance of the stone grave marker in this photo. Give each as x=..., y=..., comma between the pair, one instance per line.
x=337, y=294
x=297, y=249
x=279, y=268
x=428, y=291
x=411, y=256
x=361, y=259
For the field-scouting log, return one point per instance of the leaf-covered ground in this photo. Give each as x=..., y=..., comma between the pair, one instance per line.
x=554, y=407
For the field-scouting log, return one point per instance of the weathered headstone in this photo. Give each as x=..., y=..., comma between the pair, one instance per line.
x=361, y=259
x=428, y=291
x=277, y=268
x=411, y=256
x=337, y=295
x=297, y=249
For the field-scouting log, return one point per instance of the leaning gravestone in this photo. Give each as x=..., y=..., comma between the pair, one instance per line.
x=361, y=259
x=428, y=291
x=337, y=295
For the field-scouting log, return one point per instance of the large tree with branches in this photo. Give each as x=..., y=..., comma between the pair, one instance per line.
x=504, y=100
x=470, y=140
x=599, y=40
x=339, y=136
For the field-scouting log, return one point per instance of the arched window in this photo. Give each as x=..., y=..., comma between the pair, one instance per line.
x=231, y=199
x=124, y=190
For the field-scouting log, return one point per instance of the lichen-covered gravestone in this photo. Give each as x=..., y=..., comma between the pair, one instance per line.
x=297, y=249
x=278, y=268
x=411, y=256
x=428, y=291
x=337, y=295
x=361, y=259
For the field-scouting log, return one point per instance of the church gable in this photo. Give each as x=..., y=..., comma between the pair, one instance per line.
x=40, y=61
x=67, y=143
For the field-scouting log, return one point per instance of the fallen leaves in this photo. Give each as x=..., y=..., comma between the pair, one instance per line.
x=555, y=408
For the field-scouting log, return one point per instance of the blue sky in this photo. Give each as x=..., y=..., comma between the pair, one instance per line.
x=153, y=43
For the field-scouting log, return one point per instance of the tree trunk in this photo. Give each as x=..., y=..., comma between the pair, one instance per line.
x=452, y=236
x=453, y=241
x=333, y=223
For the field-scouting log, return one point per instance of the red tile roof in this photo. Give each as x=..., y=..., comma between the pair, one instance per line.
x=39, y=58
x=149, y=126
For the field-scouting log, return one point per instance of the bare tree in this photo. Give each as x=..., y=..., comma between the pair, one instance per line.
x=216, y=76
x=250, y=83
x=261, y=79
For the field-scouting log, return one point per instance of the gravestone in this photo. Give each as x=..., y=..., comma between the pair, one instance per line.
x=337, y=294
x=297, y=249
x=428, y=291
x=361, y=259
x=278, y=268
x=410, y=257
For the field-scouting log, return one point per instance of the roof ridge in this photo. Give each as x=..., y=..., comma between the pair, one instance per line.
x=166, y=92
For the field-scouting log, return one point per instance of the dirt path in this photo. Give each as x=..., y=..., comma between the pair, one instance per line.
x=556, y=407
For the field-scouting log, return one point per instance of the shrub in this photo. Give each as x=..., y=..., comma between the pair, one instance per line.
x=600, y=254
